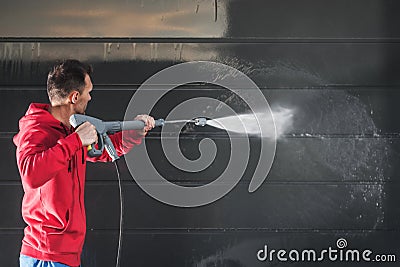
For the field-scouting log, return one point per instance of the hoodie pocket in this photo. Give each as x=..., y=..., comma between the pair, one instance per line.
x=67, y=240
x=54, y=230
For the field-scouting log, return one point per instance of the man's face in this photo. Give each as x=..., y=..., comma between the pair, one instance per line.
x=84, y=97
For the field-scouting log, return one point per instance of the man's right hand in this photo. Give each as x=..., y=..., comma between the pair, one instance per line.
x=87, y=133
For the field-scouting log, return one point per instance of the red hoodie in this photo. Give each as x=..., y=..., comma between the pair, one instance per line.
x=52, y=165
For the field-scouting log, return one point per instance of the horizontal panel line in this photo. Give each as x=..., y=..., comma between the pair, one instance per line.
x=227, y=40
x=245, y=182
x=222, y=135
x=233, y=230
x=150, y=181
x=342, y=135
x=134, y=87
x=166, y=230
x=7, y=135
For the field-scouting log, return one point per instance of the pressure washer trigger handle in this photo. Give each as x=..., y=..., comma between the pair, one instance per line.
x=110, y=148
x=92, y=151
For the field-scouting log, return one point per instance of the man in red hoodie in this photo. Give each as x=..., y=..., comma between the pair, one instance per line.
x=51, y=157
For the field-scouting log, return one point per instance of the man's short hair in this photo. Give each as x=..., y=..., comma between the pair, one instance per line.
x=65, y=77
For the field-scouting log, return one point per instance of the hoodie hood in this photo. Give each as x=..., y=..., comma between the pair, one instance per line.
x=37, y=115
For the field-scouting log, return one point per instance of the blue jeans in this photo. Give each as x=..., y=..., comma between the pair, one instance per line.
x=25, y=261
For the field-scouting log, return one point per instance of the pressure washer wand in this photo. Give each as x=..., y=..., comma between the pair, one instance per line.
x=197, y=121
x=136, y=124
x=104, y=127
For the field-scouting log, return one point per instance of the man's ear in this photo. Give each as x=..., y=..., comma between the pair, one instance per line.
x=73, y=97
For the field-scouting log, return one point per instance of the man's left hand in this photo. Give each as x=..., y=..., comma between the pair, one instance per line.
x=149, y=123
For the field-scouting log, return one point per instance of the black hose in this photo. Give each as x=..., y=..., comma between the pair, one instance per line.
x=121, y=216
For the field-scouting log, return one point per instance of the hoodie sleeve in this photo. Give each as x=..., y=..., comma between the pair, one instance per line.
x=39, y=163
x=123, y=143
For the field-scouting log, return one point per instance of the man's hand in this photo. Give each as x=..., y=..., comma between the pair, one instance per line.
x=87, y=133
x=149, y=123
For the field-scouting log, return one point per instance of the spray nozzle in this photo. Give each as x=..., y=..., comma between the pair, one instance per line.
x=200, y=121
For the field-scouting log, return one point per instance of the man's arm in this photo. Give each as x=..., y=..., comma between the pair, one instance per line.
x=126, y=140
x=38, y=163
